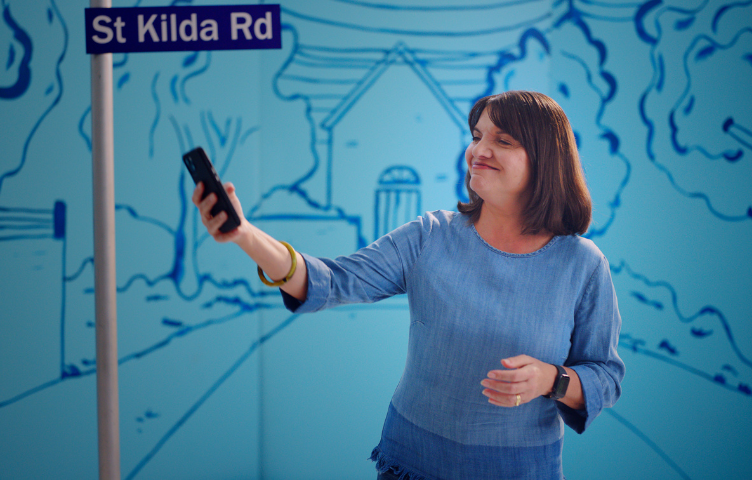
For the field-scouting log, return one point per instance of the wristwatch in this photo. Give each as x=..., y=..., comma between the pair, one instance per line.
x=560, y=384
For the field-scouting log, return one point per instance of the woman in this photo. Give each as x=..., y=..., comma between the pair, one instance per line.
x=506, y=279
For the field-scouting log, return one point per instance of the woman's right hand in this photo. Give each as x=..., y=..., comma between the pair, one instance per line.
x=268, y=253
x=212, y=223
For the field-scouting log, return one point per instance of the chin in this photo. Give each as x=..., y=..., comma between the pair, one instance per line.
x=476, y=184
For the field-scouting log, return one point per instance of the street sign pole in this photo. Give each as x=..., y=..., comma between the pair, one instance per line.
x=105, y=283
x=142, y=29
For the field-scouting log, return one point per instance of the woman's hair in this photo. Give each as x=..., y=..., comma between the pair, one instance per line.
x=558, y=200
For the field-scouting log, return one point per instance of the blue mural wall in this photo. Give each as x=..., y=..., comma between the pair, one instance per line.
x=356, y=126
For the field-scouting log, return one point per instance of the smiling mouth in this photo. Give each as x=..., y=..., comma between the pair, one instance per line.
x=483, y=165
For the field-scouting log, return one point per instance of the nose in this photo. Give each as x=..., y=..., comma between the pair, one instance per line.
x=481, y=149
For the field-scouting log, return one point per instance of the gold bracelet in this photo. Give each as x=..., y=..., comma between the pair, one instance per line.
x=279, y=283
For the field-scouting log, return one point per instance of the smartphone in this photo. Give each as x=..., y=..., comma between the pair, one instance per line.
x=202, y=170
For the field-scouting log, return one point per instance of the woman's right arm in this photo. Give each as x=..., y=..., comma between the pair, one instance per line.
x=273, y=257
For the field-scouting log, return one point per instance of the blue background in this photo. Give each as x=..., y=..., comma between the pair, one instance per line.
x=356, y=125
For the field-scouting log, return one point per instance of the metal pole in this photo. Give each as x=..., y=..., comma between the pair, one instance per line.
x=105, y=284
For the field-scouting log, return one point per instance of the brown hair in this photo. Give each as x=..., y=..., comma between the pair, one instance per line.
x=558, y=200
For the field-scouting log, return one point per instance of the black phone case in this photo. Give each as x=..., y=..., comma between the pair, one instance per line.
x=202, y=170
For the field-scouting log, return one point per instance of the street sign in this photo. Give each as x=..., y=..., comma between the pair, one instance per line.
x=170, y=29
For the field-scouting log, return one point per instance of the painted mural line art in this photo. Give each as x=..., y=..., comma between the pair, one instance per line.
x=33, y=240
x=17, y=86
x=714, y=36
x=702, y=325
x=397, y=199
x=441, y=70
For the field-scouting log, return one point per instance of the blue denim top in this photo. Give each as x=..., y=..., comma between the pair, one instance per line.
x=470, y=306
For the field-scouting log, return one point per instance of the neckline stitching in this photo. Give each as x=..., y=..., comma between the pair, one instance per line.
x=545, y=247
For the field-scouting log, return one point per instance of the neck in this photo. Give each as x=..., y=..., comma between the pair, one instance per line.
x=503, y=230
x=503, y=221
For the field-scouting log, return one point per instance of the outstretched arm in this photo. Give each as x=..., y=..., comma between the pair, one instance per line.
x=268, y=253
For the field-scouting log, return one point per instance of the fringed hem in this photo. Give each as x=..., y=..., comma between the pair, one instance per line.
x=385, y=464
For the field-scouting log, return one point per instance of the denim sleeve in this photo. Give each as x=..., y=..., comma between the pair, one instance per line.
x=593, y=353
x=373, y=273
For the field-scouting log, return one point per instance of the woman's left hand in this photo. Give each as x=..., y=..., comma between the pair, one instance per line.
x=526, y=377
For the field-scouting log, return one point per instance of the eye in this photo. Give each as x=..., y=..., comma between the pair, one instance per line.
x=506, y=140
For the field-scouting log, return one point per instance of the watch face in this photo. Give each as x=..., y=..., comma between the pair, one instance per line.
x=561, y=386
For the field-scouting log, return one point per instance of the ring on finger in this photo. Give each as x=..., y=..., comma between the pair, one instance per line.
x=518, y=400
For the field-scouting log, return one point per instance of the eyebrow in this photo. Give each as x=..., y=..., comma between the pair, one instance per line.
x=498, y=131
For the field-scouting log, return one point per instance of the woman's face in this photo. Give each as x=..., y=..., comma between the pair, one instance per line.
x=498, y=165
